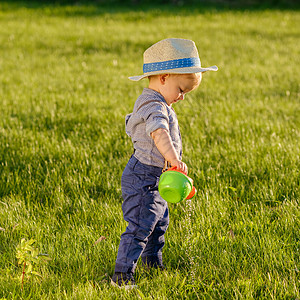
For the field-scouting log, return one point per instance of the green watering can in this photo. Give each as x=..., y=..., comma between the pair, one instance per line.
x=175, y=186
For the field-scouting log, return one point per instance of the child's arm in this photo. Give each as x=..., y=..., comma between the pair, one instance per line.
x=165, y=146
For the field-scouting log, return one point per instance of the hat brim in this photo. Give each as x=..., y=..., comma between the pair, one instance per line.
x=189, y=70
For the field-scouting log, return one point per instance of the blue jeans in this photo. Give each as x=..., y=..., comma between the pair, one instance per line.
x=147, y=216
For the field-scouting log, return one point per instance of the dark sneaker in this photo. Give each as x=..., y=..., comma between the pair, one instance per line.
x=123, y=280
x=157, y=267
x=162, y=268
x=152, y=263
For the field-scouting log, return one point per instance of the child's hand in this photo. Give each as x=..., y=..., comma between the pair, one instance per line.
x=181, y=166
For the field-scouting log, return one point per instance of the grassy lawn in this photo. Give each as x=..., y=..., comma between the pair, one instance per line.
x=64, y=94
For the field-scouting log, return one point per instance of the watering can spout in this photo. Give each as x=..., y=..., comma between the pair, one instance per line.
x=192, y=194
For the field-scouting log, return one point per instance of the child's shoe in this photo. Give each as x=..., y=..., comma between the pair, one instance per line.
x=162, y=267
x=149, y=262
x=123, y=280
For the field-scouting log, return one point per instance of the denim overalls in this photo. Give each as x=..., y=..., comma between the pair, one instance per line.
x=147, y=216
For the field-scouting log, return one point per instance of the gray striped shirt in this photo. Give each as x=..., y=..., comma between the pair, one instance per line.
x=151, y=112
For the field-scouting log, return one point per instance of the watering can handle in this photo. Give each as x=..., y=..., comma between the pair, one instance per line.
x=176, y=169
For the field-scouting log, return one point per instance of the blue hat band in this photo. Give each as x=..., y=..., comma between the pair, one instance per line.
x=172, y=64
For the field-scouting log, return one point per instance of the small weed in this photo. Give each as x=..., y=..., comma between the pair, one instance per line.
x=30, y=259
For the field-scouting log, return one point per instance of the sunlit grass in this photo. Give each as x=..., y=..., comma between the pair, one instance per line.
x=64, y=94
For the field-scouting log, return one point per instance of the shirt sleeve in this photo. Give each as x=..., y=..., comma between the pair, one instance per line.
x=155, y=116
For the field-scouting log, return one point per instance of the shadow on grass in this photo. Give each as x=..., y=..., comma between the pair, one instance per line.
x=92, y=8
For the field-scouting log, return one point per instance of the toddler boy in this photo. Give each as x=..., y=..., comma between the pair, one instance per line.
x=174, y=69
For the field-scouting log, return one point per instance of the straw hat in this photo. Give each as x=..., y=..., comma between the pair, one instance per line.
x=172, y=56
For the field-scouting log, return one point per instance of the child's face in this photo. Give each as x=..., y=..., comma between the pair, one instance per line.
x=177, y=85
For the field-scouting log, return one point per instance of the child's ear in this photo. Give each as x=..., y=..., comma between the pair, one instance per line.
x=163, y=78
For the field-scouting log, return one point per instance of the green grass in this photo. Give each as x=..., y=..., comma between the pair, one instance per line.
x=64, y=94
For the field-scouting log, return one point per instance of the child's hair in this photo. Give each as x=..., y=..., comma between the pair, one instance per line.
x=195, y=77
